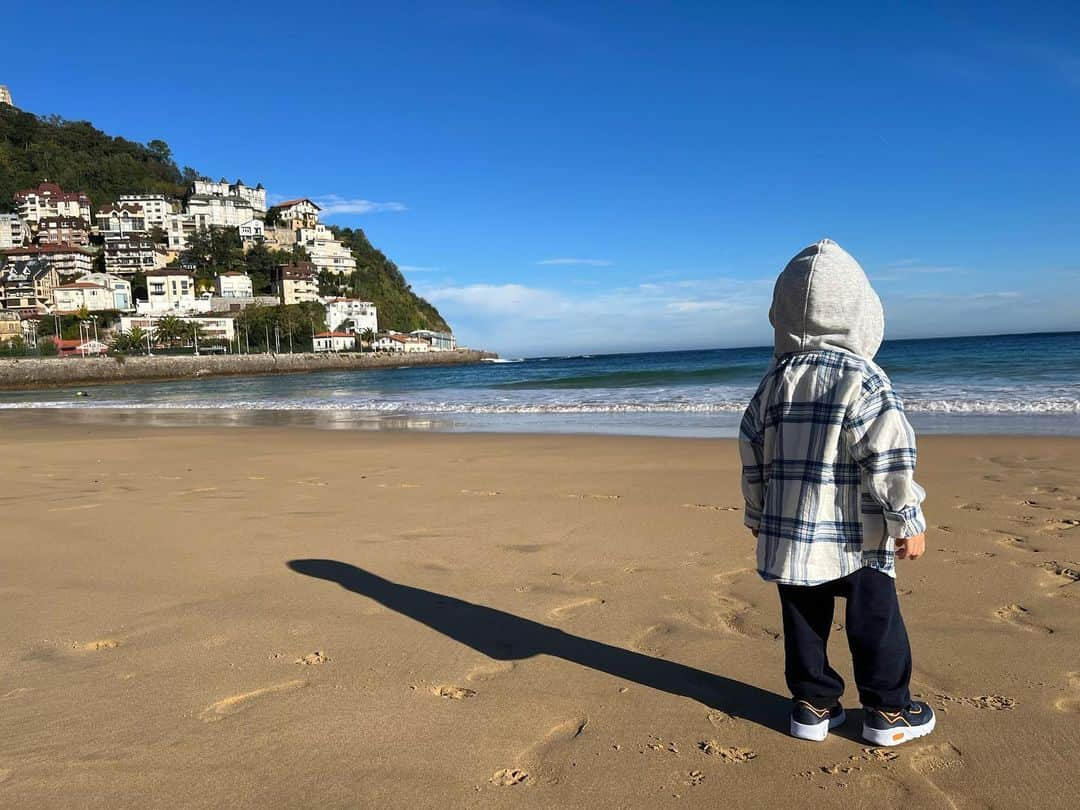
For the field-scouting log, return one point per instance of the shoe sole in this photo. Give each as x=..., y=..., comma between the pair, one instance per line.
x=816, y=732
x=897, y=736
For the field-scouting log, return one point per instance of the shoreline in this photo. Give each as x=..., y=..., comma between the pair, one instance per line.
x=31, y=373
x=662, y=426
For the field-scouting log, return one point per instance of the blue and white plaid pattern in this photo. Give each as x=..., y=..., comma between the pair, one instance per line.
x=828, y=468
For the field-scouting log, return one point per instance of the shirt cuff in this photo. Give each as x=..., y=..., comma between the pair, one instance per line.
x=752, y=518
x=908, y=522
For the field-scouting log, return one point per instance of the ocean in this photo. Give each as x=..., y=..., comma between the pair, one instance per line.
x=1020, y=384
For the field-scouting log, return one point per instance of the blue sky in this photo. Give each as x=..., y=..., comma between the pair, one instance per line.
x=566, y=177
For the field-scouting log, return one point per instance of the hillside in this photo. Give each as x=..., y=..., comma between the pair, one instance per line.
x=81, y=157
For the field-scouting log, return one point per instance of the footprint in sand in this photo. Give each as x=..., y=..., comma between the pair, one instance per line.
x=970, y=507
x=1021, y=617
x=728, y=754
x=709, y=507
x=564, y=611
x=236, y=703
x=313, y=659
x=593, y=496
x=484, y=492
x=197, y=491
x=718, y=718
x=997, y=703
x=99, y=644
x=1071, y=704
x=654, y=640
x=508, y=777
x=1018, y=543
x=937, y=763
x=453, y=692
x=1061, y=576
x=737, y=615
x=489, y=670
x=1061, y=525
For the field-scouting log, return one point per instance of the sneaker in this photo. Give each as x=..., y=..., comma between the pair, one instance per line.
x=809, y=723
x=882, y=727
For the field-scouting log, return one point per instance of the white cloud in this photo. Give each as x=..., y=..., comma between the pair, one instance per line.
x=416, y=268
x=589, y=262
x=333, y=204
x=521, y=320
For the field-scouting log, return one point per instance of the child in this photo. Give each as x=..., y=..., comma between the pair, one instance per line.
x=828, y=462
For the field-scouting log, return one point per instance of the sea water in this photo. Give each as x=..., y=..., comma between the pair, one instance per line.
x=999, y=384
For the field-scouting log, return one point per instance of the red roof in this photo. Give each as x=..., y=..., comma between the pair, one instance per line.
x=291, y=203
x=335, y=334
x=52, y=190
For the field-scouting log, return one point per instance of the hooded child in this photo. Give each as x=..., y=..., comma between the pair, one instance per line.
x=828, y=463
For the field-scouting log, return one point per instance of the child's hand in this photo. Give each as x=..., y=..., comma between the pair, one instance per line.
x=910, y=548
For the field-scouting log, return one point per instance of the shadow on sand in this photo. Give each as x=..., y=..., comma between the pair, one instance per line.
x=506, y=637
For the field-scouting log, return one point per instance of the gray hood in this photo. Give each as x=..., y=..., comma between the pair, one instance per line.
x=823, y=300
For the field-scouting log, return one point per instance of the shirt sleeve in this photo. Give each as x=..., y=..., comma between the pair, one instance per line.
x=751, y=453
x=883, y=443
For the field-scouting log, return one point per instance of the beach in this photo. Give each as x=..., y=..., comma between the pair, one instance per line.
x=203, y=616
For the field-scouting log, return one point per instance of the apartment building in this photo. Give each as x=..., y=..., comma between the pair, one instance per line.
x=67, y=260
x=296, y=283
x=13, y=231
x=131, y=254
x=49, y=200
x=63, y=231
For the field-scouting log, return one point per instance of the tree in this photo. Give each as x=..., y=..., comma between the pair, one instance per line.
x=368, y=337
x=137, y=336
x=160, y=150
x=170, y=330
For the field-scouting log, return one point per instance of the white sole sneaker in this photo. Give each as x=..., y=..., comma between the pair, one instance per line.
x=817, y=731
x=897, y=736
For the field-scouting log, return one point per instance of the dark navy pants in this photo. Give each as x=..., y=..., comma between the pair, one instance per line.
x=876, y=637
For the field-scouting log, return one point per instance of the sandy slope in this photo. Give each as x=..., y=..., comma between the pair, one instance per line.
x=284, y=617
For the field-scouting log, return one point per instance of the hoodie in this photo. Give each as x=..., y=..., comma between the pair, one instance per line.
x=828, y=455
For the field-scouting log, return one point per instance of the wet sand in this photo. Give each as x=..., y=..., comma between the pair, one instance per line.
x=280, y=616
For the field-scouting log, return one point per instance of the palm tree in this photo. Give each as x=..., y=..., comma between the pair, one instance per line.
x=368, y=337
x=170, y=329
x=136, y=337
x=121, y=341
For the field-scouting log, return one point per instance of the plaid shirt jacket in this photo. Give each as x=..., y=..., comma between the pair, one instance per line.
x=828, y=463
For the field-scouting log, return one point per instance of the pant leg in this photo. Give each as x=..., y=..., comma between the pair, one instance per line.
x=878, y=640
x=808, y=617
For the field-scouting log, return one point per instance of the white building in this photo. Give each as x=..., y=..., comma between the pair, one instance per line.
x=256, y=197
x=210, y=327
x=351, y=314
x=123, y=300
x=169, y=291
x=439, y=341
x=252, y=232
x=212, y=211
x=49, y=200
x=156, y=208
x=325, y=251
x=13, y=231
x=67, y=260
x=121, y=219
x=133, y=254
x=70, y=298
x=178, y=228
x=395, y=342
x=301, y=213
x=233, y=284
x=334, y=341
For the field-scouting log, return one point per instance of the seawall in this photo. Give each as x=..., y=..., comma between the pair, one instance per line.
x=36, y=372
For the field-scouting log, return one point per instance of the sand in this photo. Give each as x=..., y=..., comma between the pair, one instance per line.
x=287, y=617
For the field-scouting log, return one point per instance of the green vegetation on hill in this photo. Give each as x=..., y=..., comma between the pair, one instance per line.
x=82, y=158
x=377, y=279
